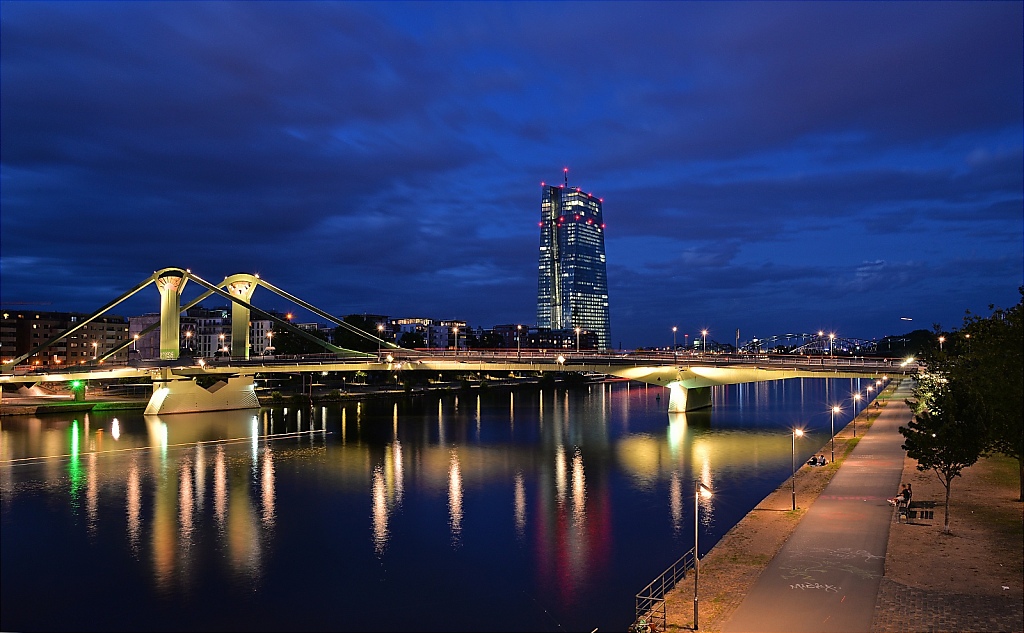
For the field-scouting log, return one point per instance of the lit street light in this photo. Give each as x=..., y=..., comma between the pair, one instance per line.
x=831, y=337
x=380, y=334
x=94, y=350
x=577, y=340
x=942, y=339
x=674, y=328
x=270, y=342
x=135, y=344
x=704, y=342
x=796, y=433
x=699, y=490
x=856, y=399
x=835, y=410
x=519, y=344
x=456, y=331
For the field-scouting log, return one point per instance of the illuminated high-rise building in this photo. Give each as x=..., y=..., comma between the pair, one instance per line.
x=572, y=286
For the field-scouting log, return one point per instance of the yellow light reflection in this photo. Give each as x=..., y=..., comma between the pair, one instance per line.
x=455, y=498
x=675, y=501
x=379, y=511
x=267, y=487
x=133, y=502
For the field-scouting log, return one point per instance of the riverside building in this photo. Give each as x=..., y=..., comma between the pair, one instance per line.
x=572, y=286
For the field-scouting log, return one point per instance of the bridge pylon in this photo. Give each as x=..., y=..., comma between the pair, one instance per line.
x=170, y=282
x=241, y=286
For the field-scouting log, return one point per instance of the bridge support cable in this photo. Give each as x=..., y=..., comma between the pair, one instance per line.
x=89, y=319
x=339, y=351
x=353, y=329
x=185, y=308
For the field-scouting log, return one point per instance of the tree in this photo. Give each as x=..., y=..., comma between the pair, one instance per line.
x=345, y=336
x=287, y=342
x=991, y=364
x=944, y=435
x=412, y=340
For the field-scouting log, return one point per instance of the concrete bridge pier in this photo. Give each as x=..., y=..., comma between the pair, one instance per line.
x=683, y=399
x=182, y=394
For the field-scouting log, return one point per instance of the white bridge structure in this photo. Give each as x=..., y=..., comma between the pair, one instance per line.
x=177, y=382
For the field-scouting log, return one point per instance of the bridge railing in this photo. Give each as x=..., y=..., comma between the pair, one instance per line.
x=650, y=602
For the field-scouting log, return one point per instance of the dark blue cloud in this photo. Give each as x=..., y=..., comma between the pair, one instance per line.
x=767, y=166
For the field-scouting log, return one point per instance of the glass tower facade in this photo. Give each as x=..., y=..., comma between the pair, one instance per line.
x=572, y=286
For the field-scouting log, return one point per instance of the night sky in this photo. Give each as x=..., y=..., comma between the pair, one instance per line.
x=773, y=167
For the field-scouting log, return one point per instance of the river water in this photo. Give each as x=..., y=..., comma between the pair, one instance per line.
x=494, y=510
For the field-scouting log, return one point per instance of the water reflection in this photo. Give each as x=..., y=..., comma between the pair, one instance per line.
x=598, y=483
x=455, y=498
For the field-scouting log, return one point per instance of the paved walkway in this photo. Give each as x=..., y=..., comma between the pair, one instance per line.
x=827, y=575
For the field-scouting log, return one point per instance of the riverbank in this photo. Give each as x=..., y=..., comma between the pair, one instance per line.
x=970, y=579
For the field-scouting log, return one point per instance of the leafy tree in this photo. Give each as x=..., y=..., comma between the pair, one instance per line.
x=990, y=364
x=412, y=340
x=944, y=435
x=346, y=338
x=286, y=342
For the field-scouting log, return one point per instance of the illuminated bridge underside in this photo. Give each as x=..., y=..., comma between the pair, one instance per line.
x=176, y=391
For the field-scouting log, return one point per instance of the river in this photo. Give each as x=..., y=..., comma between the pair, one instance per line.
x=498, y=510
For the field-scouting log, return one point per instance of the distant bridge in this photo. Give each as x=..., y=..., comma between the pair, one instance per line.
x=176, y=390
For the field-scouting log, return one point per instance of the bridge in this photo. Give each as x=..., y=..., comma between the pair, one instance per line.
x=177, y=388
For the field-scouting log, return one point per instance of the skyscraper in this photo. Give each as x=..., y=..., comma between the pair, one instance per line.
x=572, y=283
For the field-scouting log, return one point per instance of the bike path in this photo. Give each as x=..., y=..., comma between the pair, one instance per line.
x=826, y=576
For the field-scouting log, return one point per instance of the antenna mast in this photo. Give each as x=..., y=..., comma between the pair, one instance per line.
x=566, y=170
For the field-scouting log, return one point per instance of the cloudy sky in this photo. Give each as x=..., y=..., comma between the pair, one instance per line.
x=768, y=166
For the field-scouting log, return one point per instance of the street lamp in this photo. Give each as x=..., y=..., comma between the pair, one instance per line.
x=94, y=350
x=835, y=410
x=674, y=328
x=831, y=337
x=135, y=344
x=519, y=344
x=188, y=340
x=704, y=342
x=796, y=433
x=577, y=340
x=456, y=331
x=856, y=399
x=380, y=335
x=942, y=339
x=699, y=490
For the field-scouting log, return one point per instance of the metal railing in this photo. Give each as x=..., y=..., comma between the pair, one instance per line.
x=650, y=602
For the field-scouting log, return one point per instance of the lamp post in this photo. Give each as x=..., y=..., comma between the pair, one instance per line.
x=831, y=337
x=135, y=344
x=222, y=346
x=577, y=340
x=699, y=489
x=856, y=399
x=704, y=342
x=942, y=339
x=94, y=350
x=380, y=335
x=674, y=328
x=456, y=331
x=519, y=344
x=188, y=341
x=270, y=342
x=835, y=410
x=796, y=433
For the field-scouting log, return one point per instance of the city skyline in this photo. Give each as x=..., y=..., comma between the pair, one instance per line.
x=767, y=167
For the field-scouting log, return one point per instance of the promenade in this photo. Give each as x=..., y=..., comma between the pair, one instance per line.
x=827, y=566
